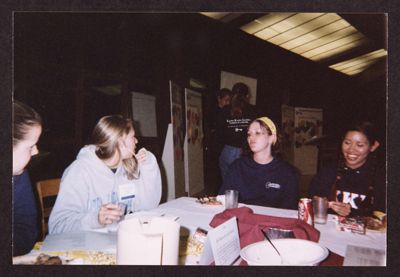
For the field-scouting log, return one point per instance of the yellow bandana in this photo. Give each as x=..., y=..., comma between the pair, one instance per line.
x=270, y=125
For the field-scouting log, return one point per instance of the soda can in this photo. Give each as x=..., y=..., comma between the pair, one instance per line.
x=306, y=212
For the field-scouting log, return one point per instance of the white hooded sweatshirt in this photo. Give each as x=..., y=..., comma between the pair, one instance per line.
x=88, y=183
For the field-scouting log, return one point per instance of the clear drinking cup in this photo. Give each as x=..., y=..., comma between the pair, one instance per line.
x=231, y=199
x=113, y=227
x=320, y=207
x=122, y=207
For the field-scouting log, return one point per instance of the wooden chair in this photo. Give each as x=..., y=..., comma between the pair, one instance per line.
x=47, y=191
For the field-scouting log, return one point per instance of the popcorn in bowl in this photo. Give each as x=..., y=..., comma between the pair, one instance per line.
x=74, y=257
x=88, y=257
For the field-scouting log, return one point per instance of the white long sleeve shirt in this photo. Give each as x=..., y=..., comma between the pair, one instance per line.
x=88, y=183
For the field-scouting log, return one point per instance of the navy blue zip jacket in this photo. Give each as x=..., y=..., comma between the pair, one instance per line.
x=25, y=224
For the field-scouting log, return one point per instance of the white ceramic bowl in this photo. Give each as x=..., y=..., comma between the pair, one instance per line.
x=293, y=252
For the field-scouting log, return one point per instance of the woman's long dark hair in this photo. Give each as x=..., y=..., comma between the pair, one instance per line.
x=370, y=132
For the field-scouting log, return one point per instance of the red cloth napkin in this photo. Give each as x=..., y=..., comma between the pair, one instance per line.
x=251, y=224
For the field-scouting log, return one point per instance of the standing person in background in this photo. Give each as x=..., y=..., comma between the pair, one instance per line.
x=104, y=174
x=356, y=185
x=232, y=124
x=224, y=97
x=215, y=144
x=260, y=177
x=27, y=127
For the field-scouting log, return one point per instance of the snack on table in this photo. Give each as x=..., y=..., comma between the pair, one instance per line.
x=41, y=259
x=193, y=245
x=374, y=224
x=209, y=200
x=87, y=257
x=351, y=224
x=101, y=258
x=44, y=259
x=380, y=215
x=74, y=257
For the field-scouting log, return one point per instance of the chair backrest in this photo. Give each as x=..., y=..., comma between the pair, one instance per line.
x=47, y=191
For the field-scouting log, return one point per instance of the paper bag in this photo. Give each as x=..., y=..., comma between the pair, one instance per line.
x=148, y=241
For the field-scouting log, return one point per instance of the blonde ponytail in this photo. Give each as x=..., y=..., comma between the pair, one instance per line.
x=105, y=136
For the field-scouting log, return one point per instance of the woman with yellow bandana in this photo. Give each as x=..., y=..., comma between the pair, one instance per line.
x=261, y=178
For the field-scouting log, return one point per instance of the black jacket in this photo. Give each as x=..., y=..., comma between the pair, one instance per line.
x=352, y=187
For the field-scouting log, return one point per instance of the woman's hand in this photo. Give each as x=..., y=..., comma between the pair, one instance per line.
x=141, y=155
x=109, y=213
x=342, y=209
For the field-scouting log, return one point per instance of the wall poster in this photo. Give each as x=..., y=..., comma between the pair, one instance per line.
x=178, y=129
x=144, y=114
x=300, y=126
x=177, y=120
x=194, y=165
x=307, y=125
x=288, y=132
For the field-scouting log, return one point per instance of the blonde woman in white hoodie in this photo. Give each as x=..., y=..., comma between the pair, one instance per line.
x=104, y=174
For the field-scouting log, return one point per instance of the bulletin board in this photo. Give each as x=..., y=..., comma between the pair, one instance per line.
x=144, y=114
x=307, y=125
x=299, y=127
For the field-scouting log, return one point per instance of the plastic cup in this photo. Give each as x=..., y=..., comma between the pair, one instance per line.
x=231, y=199
x=320, y=207
x=122, y=207
x=113, y=227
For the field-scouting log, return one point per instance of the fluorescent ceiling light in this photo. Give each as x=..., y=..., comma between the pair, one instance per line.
x=315, y=36
x=319, y=37
x=356, y=65
x=308, y=30
x=327, y=49
x=214, y=15
x=224, y=17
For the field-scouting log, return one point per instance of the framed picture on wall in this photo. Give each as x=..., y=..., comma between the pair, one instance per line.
x=228, y=79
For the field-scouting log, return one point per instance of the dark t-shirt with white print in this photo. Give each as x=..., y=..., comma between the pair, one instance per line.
x=232, y=130
x=272, y=185
x=352, y=187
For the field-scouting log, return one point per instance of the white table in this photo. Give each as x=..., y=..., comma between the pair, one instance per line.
x=192, y=215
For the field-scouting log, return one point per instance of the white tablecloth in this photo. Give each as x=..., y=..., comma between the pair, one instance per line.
x=194, y=214
x=191, y=214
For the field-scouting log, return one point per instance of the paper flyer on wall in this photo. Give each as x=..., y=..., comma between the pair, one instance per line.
x=193, y=145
